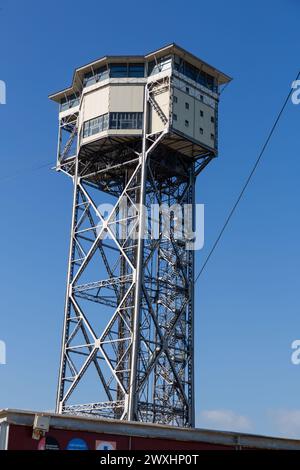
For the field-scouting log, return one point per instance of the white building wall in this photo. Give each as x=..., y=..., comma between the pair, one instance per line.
x=95, y=103
x=163, y=100
x=187, y=104
x=126, y=98
x=188, y=120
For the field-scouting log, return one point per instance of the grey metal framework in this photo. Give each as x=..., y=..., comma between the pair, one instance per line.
x=129, y=309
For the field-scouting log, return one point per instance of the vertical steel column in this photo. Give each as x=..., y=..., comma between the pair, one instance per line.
x=65, y=334
x=192, y=306
x=132, y=399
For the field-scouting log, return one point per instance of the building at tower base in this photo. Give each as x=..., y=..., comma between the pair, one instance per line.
x=90, y=433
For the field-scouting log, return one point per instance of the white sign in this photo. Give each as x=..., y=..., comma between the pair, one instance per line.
x=106, y=445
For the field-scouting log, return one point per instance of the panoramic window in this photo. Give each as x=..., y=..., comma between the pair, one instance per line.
x=114, y=71
x=159, y=65
x=95, y=76
x=118, y=70
x=194, y=73
x=112, y=121
x=69, y=102
x=93, y=126
x=125, y=120
x=136, y=70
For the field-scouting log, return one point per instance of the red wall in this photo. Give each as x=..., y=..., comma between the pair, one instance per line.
x=20, y=438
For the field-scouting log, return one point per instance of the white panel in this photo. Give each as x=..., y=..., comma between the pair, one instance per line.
x=163, y=101
x=95, y=104
x=126, y=98
x=200, y=127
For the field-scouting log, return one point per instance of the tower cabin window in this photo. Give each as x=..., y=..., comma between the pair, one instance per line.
x=126, y=70
x=69, y=102
x=159, y=65
x=125, y=120
x=118, y=70
x=93, y=126
x=199, y=76
x=112, y=121
x=136, y=70
x=94, y=76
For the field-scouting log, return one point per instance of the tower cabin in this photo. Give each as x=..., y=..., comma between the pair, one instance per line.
x=104, y=105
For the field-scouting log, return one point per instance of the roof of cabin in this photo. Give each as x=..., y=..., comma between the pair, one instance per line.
x=163, y=51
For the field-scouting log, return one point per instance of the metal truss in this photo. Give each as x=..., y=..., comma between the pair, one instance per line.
x=129, y=309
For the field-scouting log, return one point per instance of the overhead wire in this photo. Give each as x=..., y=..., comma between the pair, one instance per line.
x=246, y=184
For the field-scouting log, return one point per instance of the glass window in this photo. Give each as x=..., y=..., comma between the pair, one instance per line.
x=125, y=120
x=201, y=113
x=175, y=99
x=105, y=121
x=194, y=73
x=186, y=123
x=212, y=136
x=89, y=79
x=118, y=70
x=136, y=70
x=112, y=121
x=69, y=102
x=96, y=125
x=212, y=119
x=95, y=76
x=178, y=64
x=115, y=70
x=164, y=63
x=187, y=106
x=174, y=117
x=187, y=89
x=201, y=130
x=190, y=71
x=101, y=73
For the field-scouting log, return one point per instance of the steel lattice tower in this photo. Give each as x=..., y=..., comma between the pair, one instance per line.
x=129, y=309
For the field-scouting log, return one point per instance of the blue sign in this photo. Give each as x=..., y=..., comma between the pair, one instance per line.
x=77, y=444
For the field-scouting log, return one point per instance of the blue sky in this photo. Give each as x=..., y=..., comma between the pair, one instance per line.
x=247, y=301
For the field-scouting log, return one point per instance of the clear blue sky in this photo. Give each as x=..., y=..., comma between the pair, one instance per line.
x=248, y=303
